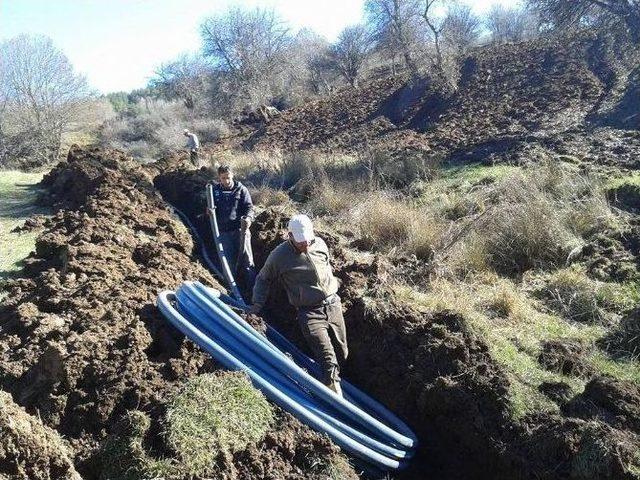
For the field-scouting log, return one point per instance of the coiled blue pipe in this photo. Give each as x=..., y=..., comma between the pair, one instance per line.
x=198, y=313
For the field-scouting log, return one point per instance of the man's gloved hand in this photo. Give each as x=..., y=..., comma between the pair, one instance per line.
x=254, y=309
x=245, y=222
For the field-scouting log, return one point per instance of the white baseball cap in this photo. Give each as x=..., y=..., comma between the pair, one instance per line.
x=301, y=228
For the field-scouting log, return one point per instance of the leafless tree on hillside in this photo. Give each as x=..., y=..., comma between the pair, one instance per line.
x=304, y=74
x=436, y=25
x=511, y=24
x=249, y=46
x=395, y=24
x=40, y=97
x=321, y=71
x=563, y=13
x=461, y=29
x=184, y=78
x=350, y=52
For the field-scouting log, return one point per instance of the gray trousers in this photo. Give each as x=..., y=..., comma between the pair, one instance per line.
x=325, y=333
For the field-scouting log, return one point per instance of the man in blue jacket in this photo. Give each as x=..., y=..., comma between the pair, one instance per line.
x=234, y=211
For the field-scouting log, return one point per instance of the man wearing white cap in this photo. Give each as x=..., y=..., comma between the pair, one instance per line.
x=302, y=265
x=193, y=144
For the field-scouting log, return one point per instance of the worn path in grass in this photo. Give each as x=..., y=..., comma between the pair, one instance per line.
x=18, y=193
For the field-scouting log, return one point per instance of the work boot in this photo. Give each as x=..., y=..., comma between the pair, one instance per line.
x=335, y=386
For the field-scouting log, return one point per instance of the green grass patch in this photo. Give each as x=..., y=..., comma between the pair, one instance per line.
x=476, y=173
x=614, y=183
x=123, y=455
x=18, y=193
x=215, y=413
x=212, y=413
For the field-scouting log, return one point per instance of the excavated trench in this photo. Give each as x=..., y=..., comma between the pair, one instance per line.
x=419, y=367
x=84, y=343
x=430, y=369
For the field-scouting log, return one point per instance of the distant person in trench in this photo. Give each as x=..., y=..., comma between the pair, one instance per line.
x=302, y=264
x=235, y=213
x=193, y=144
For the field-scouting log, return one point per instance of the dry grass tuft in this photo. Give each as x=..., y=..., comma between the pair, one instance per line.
x=269, y=197
x=384, y=222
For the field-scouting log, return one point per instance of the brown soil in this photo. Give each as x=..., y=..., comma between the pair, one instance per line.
x=30, y=450
x=567, y=357
x=83, y=343
x=545, y=94
x=82, y=339
x=612, y=401
x=624, y=340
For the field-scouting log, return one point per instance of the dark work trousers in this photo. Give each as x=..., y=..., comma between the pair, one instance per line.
x=194, y=158
x=240, y=265
x=323, y=328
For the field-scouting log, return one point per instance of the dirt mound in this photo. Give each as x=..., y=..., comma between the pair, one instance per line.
x=83, y=342
x=566, y=357
x=614, y=402
x=570, y=448
x=30, y=450
x=507, y=95
x=624, y=341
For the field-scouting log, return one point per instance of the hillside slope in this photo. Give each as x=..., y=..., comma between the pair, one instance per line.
x=507, y=95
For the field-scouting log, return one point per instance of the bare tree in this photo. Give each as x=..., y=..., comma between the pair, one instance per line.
x=511, y=24
x=461, y=29
x=40, y=95
x=321, y=71
x=562, y=13
x=436, y=25
x=350, y=52
x=307, y=70
x=184, y=78
x=395, y=25
x=248, y=46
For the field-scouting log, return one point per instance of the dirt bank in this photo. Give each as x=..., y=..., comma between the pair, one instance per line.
x=83, y=342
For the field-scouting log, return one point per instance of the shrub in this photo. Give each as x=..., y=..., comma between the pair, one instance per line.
x=156, y=129
x=209, y=130
x=388, y=168
x=215, y=413
x=269, y=197
x=525, y=229
x=575, y=296
x=384, y=222
x=329, y=199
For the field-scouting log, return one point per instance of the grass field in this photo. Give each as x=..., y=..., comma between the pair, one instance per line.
x=18, y=192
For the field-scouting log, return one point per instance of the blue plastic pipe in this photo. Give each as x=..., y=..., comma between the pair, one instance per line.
x=217, y=320
x=236, y=326
x=357, y=423
x=280, y=392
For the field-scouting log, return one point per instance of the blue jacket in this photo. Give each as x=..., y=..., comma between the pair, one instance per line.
x=232, y=205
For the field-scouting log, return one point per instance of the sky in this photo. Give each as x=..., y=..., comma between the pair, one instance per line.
x=118, y=44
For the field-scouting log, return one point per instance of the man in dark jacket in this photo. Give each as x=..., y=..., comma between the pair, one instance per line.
x=234, y=211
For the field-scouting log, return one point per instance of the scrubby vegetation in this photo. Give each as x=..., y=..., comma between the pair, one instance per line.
x=502, y=246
